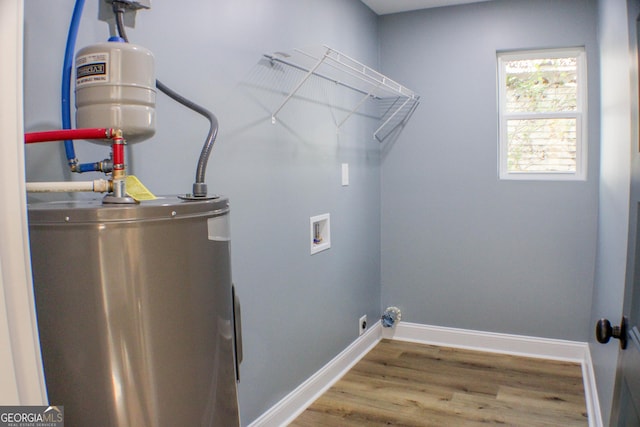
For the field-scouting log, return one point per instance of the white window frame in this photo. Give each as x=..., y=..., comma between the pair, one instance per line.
x=580, y=115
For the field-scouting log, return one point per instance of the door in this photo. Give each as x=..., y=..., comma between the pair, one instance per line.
x=628, y=381
x=625, y=409
x=626, y=404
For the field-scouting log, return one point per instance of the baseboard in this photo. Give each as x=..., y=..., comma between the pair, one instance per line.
x=292, y=405
x=518, y=345
x=591, y=392
x=546, y=348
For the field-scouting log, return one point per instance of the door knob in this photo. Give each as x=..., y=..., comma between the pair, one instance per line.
x=604, y=332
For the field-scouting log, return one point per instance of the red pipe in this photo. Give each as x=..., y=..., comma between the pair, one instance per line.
x=118, y=154
x=61, y=135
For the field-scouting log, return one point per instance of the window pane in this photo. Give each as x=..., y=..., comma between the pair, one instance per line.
x=541, y=85
x=541, y=145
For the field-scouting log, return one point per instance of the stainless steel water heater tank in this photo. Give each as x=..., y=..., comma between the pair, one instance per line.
x=135, y=312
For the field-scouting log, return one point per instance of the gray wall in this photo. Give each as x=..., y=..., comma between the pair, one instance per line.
x=299, y=311
x=617, y=210
x=461, y=248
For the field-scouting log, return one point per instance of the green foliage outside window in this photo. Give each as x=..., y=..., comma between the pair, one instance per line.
x=538, y=91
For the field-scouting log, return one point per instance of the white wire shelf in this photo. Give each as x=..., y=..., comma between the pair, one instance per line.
x=396, y=102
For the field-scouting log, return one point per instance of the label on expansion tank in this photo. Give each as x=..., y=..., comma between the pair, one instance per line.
x=92, y=68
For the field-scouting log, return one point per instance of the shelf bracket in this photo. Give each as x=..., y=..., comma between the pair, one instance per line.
x=299, y=85
x=356, y=108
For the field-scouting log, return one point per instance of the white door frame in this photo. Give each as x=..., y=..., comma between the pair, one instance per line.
x=20, y=360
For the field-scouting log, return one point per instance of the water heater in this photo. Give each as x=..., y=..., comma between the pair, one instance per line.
x=116, y=88
x=137, y=315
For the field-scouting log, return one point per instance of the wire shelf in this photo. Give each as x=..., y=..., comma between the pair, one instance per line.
x=396, y=102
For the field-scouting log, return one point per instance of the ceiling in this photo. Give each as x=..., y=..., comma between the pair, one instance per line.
x=384, y=7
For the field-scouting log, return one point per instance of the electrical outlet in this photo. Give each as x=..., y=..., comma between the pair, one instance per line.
x=362, y=324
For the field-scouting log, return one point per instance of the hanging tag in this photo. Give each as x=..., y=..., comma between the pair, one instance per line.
x=137, y=190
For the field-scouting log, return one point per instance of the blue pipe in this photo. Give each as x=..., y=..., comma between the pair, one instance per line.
x=66, y=80
x=87, y=167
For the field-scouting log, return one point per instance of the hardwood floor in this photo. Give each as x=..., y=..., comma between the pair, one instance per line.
x=407, y=384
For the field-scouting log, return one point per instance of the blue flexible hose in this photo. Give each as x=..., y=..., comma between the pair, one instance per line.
x=66, y=79
x=87, y=167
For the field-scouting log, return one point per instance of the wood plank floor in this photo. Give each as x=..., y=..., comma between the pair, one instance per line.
x=407, y=384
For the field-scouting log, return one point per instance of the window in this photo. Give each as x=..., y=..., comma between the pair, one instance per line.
x=542, y=114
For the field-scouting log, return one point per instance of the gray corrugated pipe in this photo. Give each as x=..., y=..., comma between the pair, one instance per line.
x=199, y=186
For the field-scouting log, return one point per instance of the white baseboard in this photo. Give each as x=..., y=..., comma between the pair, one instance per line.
x=591, y=392
x=292, y=405
x=546, y=348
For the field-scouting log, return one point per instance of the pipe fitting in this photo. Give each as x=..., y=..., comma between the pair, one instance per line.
x=199, y=189
x=114, y=133
x=106, y=165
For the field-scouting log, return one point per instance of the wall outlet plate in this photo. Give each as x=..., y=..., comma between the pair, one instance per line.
x=345, y=174
x=362, y=324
